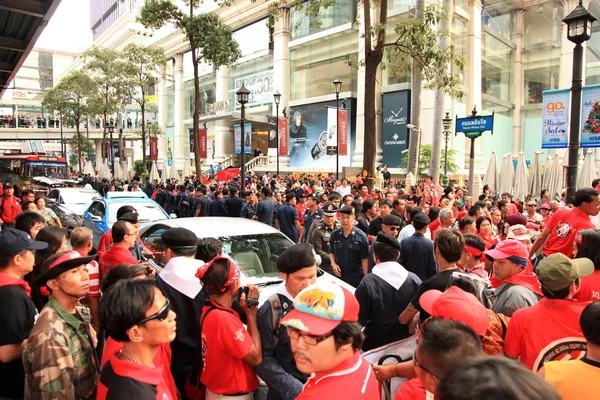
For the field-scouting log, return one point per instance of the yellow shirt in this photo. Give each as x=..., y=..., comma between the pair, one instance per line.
x=574, y=379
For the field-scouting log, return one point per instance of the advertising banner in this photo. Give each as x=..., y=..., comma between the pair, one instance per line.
x=192, y=143
x=394, y=135
x=343, y=131
x=237, y=129
x=590, y=116
x=555, y=119
x=284, y=140
x=260, y=86
x=272, y=136
x=170, y=142
x=202, y=142
x=332, y=131
x=153, y=148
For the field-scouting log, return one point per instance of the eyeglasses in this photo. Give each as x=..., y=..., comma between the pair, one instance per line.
x=310, y=340
x=420, y=366
x=394, y=228
x=530, y=205
x=161, y=315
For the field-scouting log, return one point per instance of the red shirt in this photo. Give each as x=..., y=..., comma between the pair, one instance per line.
x=10, y=209
x=106, y=241
x=434, y=226
x=301, y=208
x=547, y=331
x=412, y=389
x=351, y=379
x=114, y=256
x=226, y=342
x=590, y=288
x=564, y=225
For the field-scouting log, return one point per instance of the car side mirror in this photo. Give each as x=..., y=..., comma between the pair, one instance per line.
x=173, y=215
x=96, y=218
x=50, y=200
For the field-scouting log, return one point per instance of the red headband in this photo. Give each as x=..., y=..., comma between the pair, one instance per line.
x=234, y=273
x=472, y=250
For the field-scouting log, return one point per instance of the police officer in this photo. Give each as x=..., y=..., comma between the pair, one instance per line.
x=171, y=200
x=249, y=207
x=311, y=214
x=321, y=234
x=161, y=196
x=349, y=249
x=297, y=267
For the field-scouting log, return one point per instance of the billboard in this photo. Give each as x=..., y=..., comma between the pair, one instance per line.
x=590, y=116
x=555, y=119
x=237, y=129
x=394, y=133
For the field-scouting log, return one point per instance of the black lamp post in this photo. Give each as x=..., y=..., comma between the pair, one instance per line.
x=110, y=153
x=579, y=23
x=277, y=98
x=337, y=84
x=447, y=124
x=242, y=97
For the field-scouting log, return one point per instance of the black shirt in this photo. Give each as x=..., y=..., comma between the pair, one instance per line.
x=375, y=226
x=440, y=281
x=416, y=255
x=17, y=316
x=234, y=206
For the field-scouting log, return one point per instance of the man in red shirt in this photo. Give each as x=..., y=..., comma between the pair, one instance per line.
x=550, y=329
x=124, y=236
x=445, y=219
x=326, y=338
x=10, y=207
x=229, y=350
x=301, y=207
x=562, y=227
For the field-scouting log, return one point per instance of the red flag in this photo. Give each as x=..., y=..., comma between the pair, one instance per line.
x=153, y=148
x=284, y=140
x=343, y=132
x=202, y=137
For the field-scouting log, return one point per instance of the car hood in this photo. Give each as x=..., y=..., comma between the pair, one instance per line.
x=77, y=209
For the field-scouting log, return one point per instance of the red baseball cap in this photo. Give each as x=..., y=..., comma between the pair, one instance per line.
x=457, y=305
x=321, y=307
x=545, y=206
x=508, y=248
x=59, y=263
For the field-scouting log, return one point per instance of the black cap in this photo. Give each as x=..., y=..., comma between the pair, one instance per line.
x=391, y=220
x=13, y=241
x=296, y=257
x=330, y=209
x=421, y=218
x=347, y=210
x=388, y=240
x=7, y=186
x=313, y=196
x=179, y=238
x=132, y=218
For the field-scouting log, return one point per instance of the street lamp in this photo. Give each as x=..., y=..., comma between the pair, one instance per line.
x=110, y=153
x=337, y=85
x=242, y=98
x=579, y=24
x=277, y=98
x=447, y=124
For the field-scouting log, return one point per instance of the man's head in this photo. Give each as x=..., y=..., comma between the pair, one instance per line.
x=65, y=274
x=290, y=198
x=135, y=311
x=30, y=222
x=521, y=234
x=28, y=195
x=179, y=242
x=335, y=198
x=323, y=327
x=590, y=324
x=390, y=224
x=587, y=200
x=8, y=190
x=531, y=207
x=559, y=275
x=400, y=206
x=385, y=208
x=448, y=245
x=446, y=217
x=467, y=225
x=386, y=248
x=329, y=213
x=17, y=251
x=124, y=234
x=370, y=208
x=504, y=207
x=442, y=345
x=420, y=221
x=124, y=210
x=472, y=251
x=208, y=248
x=297, y=267
x=507, y=197
x=220, y=276
x=510, y=257
x=347, y=217
x=82, y=240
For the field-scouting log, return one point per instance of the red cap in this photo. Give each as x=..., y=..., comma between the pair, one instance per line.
x=321, y=307
x=457, y=305
x=545, y=206
x=508, y=248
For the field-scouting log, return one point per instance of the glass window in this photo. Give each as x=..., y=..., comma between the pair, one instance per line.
x=343, y=12
x=390, y=74
x=542, y=69
x=494, y=20
x=253, y=38
x=394, y=4
x=315, y=65
x=496, y=76
x=593, y=48
x=208, y=89
x=148, y=211
x=543, y=23
x=170, y=106
x=459, y=40
x=257, y=76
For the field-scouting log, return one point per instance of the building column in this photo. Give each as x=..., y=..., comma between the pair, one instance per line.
x=518, y=80
x=359, y=149
x=474, y=76
x=98, y=143
x=566, y=48
x=179, y=146
x=281, y=71
x=224, y=139
x=162, y=110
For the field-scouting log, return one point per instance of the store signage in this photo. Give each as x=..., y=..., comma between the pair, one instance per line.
x=396, y=114
x=260, y=86
x=237, y=129
x=555, y=118
x=218, y=107
x=475, y=126
x=284, y=139
x=272, y=136
x=343, y=131
x=202, y=138
x=153, y=148
x=590, y=117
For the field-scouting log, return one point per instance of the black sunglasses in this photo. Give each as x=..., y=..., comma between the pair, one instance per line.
x=161, y=315
x=420, y=366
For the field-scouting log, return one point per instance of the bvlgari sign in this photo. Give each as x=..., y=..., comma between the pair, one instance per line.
x=396, y=112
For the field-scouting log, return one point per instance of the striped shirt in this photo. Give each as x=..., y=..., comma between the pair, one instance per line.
x=93, y=270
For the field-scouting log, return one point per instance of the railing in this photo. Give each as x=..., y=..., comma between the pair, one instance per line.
x=226, y=163
x=259, y=161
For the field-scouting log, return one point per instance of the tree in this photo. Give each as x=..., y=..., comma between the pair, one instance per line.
x=72, y=95
x=56, y=103
x=81, y=147
x=425, y=160
x=139, y=74
x=209, y=38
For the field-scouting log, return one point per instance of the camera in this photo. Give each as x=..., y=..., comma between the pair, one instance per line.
x=249, y=300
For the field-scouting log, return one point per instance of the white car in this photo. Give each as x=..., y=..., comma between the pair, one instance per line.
x=254, y=246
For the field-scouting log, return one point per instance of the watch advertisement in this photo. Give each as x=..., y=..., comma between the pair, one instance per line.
x=394, y=132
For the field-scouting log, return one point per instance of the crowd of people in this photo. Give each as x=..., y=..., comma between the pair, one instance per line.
x=501, y=294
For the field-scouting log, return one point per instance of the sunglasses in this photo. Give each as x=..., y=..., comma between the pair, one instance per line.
x=161, y=315
x=530, y=205
x=310, y=340
x=421, y=366
x=394, y=228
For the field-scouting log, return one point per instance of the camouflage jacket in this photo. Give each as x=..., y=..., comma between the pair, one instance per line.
x=59, y=357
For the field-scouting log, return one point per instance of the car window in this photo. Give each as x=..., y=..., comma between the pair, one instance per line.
x=148, y=211
x=53, y=194
x=78, y=196
x=97, y=209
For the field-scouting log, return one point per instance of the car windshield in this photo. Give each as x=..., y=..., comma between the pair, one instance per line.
x=78, y=196
x=148, y=211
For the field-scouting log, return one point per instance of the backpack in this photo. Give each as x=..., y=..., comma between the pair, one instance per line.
x=277, y=311
x=194, y=388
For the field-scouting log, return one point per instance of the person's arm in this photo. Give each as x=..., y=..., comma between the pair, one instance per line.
x=254, y=356
x=365, y=265
x=300, y=231
x=405, y=369
x=407, y=315
x=364, y=257
x=512, y=341
x=11, y=352
x=539, y=241
x=94, y=303
x=318, y=245
x=364, y=300
x=336, y=268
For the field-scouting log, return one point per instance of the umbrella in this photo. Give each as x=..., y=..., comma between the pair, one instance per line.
x=105, y=171
x=555, y=181
x=125, y=171
x=491, y=173
x=187, y=170
x=410, y=179
x=506, y=177
x=587, y=173
x=173, y=172
x=88, y=169
x=477, y=188
x=118, y=171
x=165, y=172
x=521, y=178
x=535, y=179
x=154, y=175
x=547, y=172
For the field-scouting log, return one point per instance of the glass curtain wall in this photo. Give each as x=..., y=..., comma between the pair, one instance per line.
x=593, y=48
x=343, y=12
x=208, y=89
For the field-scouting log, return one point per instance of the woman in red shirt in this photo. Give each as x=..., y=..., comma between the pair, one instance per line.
x=587, y=245
x=484, y=230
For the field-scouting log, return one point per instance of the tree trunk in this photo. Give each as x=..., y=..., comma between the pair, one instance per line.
x=415, y=113
x=78, y=145
x=196, y=125
x=439, y=108
x=143, y=108
x=104, y=137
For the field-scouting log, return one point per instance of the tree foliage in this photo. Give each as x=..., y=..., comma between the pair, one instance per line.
x=425, y=160
x=79, y=145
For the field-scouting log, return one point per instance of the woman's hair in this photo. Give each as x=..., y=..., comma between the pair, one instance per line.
x=434, y=212
x=52, y=235
x=590, y=246
x=494, y=378
x=480, y=220
x=357, y=207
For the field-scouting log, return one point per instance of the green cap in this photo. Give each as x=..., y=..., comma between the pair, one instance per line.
x=558, y=272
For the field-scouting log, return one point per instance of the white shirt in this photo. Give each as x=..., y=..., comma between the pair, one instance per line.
x=343, y=191
x=409, y=230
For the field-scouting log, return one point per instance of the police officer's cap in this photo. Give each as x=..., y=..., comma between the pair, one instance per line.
x=347, y=210
x=391, y=220
x=330, y=209
x=178, y=238
x=296, y=257
x=388, y=240
x=132, y=218
x=421, y=218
